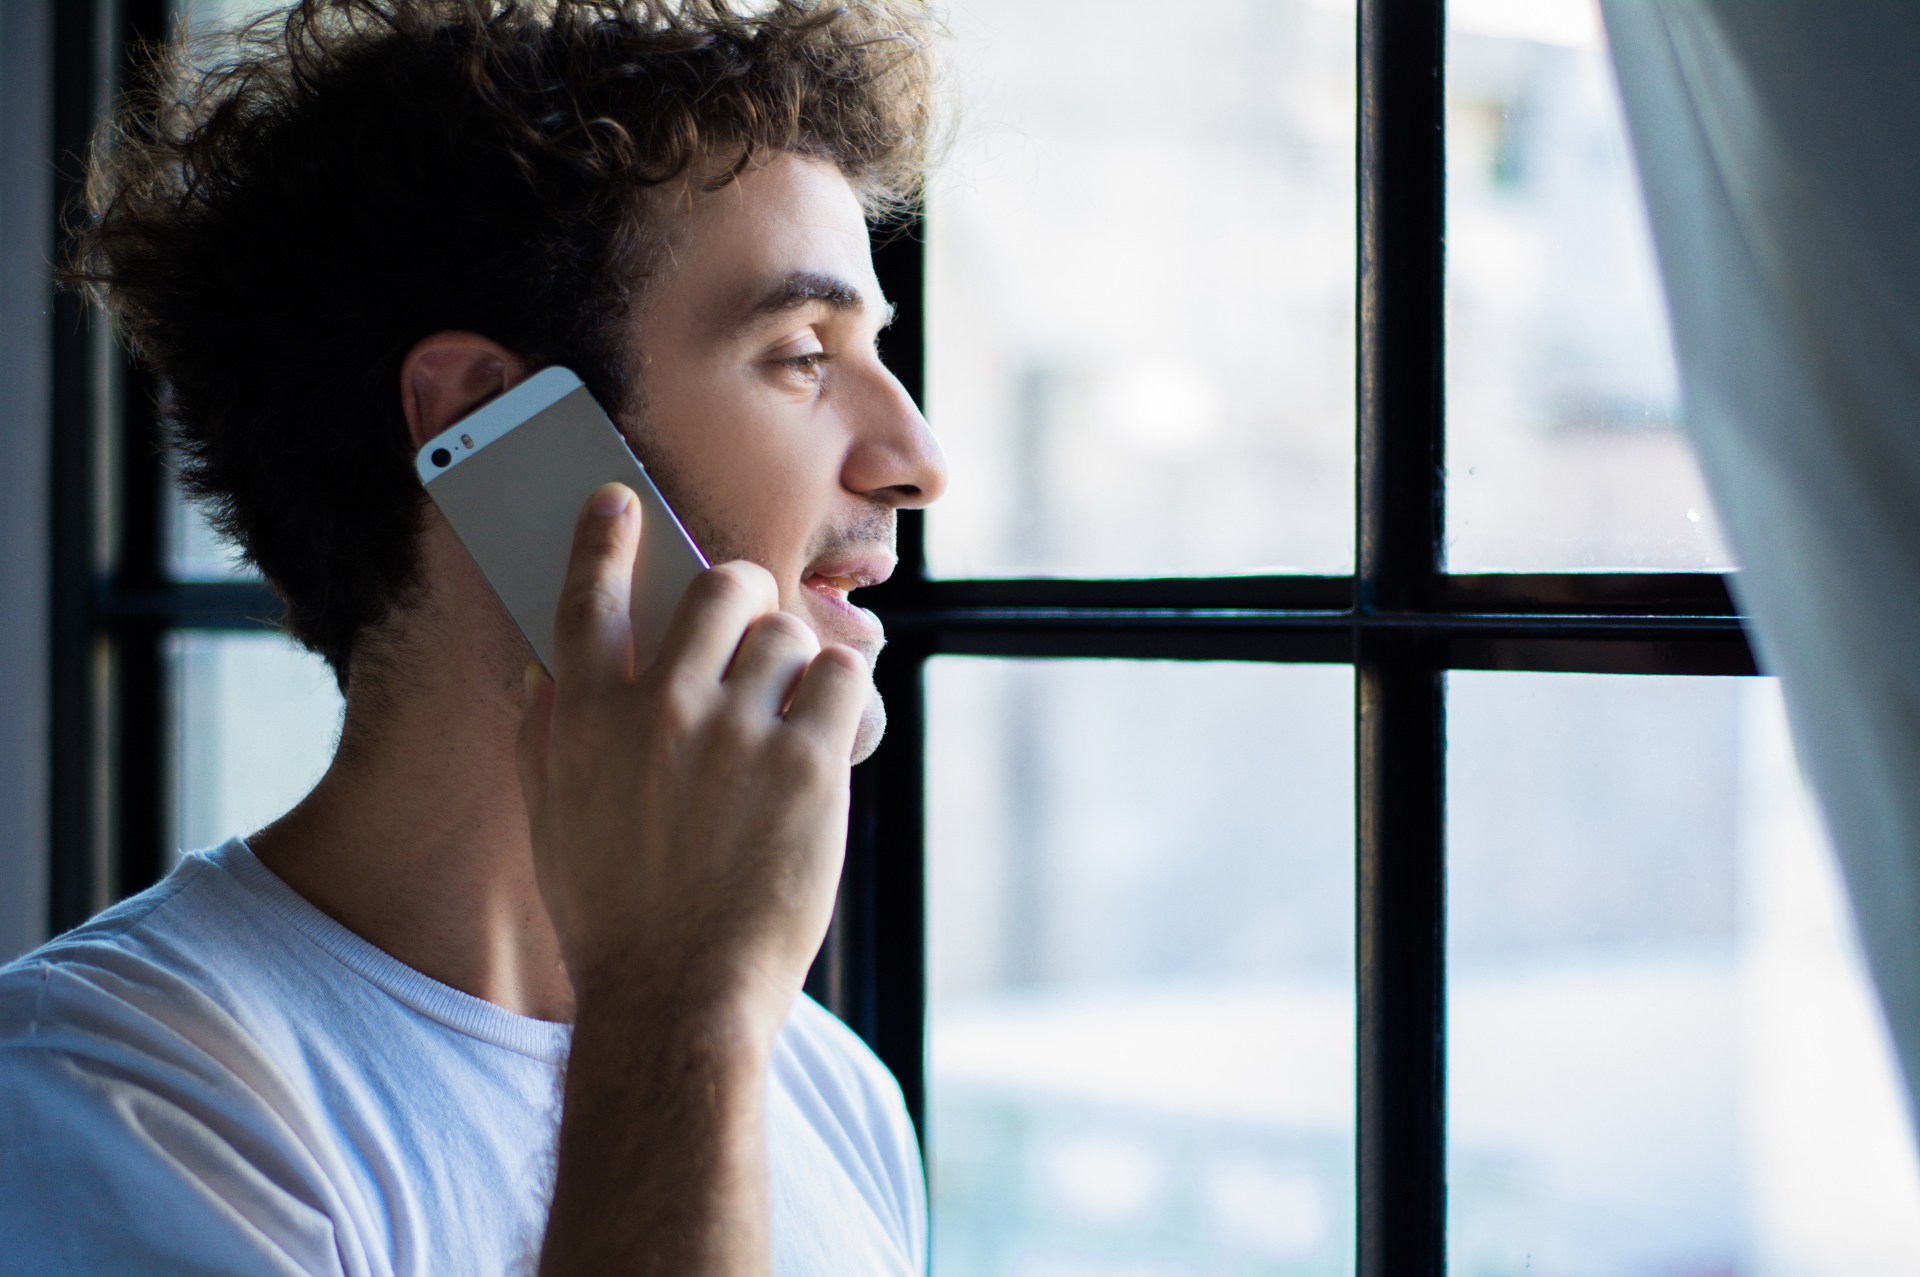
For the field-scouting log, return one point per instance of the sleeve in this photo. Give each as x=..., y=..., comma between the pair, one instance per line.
x=866, y=1102
x=900, y=1150
x=141, y=1131
x=100, y=1174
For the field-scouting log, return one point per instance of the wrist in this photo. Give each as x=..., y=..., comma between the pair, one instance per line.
x=726, y=1016
x=665, y=1110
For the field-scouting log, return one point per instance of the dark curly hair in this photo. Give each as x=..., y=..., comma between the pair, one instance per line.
x=272, y=232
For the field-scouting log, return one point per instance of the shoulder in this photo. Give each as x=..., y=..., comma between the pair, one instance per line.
x=161, y=969
x=116, y=927
x=106, y=977
x=118, y=1073
x=857, y=1118
x=181, y=1170
x=199, y=905
x=132, y=1060
x=143, y=1008
x=820, y=1054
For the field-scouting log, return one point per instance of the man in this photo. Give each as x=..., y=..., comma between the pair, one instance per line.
x=333, y=1047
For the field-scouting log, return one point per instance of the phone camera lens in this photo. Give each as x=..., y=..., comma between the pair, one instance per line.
x=441, y=457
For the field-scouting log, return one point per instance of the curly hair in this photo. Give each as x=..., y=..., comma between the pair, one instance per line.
x=271, y=233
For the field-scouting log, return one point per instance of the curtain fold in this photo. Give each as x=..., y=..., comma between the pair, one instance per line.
x=1775, y=141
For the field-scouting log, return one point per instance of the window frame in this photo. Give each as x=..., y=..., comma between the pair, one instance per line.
x=1400, y=620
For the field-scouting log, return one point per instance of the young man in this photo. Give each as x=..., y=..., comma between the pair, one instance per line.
x=334, y=1047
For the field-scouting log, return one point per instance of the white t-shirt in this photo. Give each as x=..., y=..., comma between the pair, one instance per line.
x=216, y=1078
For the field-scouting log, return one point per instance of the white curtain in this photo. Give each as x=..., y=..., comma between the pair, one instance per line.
x=1777, y=142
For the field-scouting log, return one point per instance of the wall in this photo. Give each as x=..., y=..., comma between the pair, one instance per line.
x=26, y=195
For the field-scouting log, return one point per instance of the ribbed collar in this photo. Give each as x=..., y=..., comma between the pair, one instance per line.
x=442, y=1003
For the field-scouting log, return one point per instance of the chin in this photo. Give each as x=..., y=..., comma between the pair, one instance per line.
x=873, y=725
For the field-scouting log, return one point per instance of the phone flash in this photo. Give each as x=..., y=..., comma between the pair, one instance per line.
x=467, y=439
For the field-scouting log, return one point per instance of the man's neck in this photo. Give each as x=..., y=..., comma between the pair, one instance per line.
x=416, y=838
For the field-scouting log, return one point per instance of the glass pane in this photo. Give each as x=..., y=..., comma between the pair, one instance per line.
x=1141, y=908
x=1664, y=1056
x=201, y=15
x=1564, y=448
x=255, y=718
x=194, y=551
x=1140, y=290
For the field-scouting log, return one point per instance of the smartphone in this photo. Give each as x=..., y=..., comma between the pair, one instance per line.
x=511, y=479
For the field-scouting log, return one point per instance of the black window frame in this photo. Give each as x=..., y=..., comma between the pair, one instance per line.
x=1400, y=620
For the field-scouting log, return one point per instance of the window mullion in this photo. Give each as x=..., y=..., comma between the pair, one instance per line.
x=76, y=876
x=1399, y=782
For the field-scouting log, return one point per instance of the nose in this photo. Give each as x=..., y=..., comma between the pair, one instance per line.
x=894, y=457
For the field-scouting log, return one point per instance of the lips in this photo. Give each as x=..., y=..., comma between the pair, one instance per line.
x=837, y=577
x=832, y=580
x=842, y=584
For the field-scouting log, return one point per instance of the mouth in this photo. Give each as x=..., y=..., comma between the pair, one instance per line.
x=835, y=580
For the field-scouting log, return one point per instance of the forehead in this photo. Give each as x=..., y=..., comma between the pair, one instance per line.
x=793, y=216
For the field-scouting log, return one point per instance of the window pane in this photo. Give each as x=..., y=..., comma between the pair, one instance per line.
x=1141, y=906
x=1140, y=290
x=1564, y=448
x=1664, y=1055
x=194, y=551
x=202, y=15
x=255, y=718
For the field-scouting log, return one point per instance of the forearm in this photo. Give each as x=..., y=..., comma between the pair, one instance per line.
x=662, y=1161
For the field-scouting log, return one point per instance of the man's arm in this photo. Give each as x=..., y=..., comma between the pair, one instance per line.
x=688, y=822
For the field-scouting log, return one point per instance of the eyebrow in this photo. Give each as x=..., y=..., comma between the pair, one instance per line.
x=804, y=287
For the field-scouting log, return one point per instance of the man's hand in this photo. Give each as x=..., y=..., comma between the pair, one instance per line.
x=688, y=819
x=688, y=816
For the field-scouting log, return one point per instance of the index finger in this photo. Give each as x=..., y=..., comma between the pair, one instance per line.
x=592, y=633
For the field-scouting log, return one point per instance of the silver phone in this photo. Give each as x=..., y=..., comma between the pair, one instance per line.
x=511, y=479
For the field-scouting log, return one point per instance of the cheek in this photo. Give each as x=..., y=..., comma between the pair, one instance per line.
x=761, y=471
x=708, y=419
x=777, y=468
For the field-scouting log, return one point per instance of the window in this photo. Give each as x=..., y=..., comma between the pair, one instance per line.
x=1305, y=689
x=179, y=714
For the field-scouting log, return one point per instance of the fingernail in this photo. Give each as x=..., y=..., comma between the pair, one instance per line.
x=611, y=499
x=531, y=676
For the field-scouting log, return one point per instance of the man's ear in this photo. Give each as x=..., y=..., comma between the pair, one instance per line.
x=446, y=376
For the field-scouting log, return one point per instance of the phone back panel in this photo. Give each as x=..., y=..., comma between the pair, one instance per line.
x=513, y=493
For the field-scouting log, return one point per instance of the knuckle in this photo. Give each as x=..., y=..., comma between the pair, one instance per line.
x=738, y=581
x=801, y=758
x=587, y=604
x=597, y=538
x=575, y=756
x=676, y=705
x=717, y=587
x=843, y=664
x=786, y=629
x=663, y=692
x=583, y=737
x=736, y=729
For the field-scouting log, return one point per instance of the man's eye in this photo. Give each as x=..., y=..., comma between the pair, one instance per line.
x=808, y=364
